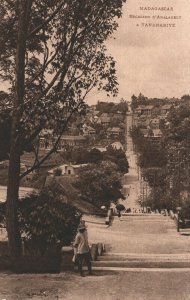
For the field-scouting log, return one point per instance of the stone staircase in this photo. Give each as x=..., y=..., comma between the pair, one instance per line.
x=144, y=241
x=122, y=261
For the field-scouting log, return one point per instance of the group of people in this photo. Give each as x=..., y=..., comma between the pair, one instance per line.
x=138, y=210
x=82, y=250
x=133, y=210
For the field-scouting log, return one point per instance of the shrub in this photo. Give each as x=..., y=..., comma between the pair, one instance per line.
x=46, y=221
x=100, y=184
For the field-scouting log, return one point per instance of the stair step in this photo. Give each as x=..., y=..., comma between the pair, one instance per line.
x=128, y=269
x=144, y=259
x=142, y=264
x=145, y=215
x=109, y=255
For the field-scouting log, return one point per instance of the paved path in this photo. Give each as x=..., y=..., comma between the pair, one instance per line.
x=139, y=285
x=140, y=234
x=131, y=180
x=147, y=234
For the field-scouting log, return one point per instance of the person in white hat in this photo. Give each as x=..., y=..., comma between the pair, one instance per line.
x=82, y=248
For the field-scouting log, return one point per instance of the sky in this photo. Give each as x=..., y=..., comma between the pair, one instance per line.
x=152, y=60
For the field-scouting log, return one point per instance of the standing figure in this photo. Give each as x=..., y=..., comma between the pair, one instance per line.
x=119, y=214
x=82, y=249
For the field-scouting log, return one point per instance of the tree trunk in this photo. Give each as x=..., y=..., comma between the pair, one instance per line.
x=14, y=237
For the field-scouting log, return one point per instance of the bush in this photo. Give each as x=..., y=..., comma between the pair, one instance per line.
x=118, y=157
x=100, y=184
x=46, y=220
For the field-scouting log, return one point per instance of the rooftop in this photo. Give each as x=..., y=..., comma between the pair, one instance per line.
x=166, y=106
x=73, y=137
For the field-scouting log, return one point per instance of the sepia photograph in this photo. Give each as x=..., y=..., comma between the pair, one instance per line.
x=94, y=149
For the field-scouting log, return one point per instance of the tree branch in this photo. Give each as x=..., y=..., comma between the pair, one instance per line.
x=43, y=68
x=34, y=167
x=37, y=29
x=63, y=69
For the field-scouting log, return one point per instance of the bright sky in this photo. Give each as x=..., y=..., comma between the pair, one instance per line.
x=153, y=61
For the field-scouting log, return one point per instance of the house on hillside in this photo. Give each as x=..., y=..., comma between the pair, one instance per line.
x=165, y=109
x=118, y=115
x=144, y=131
x=117, y=145
x=151, y=134
x=142, y=121
x=88, y=130
x=157, y=133
x=154, y=123
x=47, y=142
x=100, y=148
x=66, y=169
x=71, y=140
x=97, y=120
x=145, y=110
x=114, y=131
x=105, y=119
x=154, y=135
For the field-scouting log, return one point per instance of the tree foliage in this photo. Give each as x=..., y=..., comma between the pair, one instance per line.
x=46, y=220
x=111, y=107
x=166, y=166
x=95, y=156
x=99, y=184
x=65, y=58
x=150, y=154
x=118, y=157
x=177, y=143
x=156, y=102
x=52, y=55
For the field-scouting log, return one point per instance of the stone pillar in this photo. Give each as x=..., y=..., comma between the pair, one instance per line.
x=100, y=248
x=94, y=251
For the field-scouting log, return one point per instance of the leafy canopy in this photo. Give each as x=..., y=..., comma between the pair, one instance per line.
x=99, y=184
x=65, y=58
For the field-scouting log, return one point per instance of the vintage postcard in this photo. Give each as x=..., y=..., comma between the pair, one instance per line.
x=95, y=149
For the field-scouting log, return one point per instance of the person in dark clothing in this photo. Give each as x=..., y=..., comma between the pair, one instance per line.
x=119, y=214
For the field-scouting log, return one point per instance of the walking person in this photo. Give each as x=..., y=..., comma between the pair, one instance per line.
x=119, y=215
x=82, y=248
x=120, y=207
